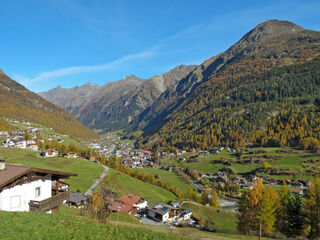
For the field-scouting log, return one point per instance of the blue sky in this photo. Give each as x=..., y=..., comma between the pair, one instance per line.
x=45, y=43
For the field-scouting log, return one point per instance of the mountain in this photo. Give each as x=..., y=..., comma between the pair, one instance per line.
x=71, y=99
x=19, y=103
x=116, y=104
x=120, y=112
x=94, y=112
x=238, y=96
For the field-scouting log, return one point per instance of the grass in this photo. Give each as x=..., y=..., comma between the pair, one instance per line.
x=167, y=176
x=148, y=191
x=36, y=226
x=225, y=221
x=68, y=224
x=87, y=171
x=290, y=161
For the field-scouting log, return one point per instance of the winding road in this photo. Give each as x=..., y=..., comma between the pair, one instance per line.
x=93, y=187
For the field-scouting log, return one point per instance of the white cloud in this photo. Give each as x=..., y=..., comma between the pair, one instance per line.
x=81, y=69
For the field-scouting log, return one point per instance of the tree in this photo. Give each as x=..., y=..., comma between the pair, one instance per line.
x=281, y=213
x=250, y=208
x=214, y=200
x=267, y=214
x=295, y=217
x=205, y=198
x=312, y=209
x=97, y=206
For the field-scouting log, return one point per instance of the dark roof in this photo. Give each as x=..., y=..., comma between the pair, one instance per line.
x=185, y=212
x=77, y=197
x=161, y=208
x=13, y=172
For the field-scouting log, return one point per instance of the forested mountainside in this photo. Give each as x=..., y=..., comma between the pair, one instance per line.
x=19, y=103
x=264, y=90
x=71, y=99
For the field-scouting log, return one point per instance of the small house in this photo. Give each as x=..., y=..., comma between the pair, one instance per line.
x=162, y=212
x=50, y=153
x=185, y=215
x=4, y=134
x=77, y=200
x=70, y=155
x=133, y=200
x=32, y=189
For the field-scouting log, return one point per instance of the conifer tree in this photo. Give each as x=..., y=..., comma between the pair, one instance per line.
x=281, y=213
x=267, y=214
x=312, y=209
x=295, y=217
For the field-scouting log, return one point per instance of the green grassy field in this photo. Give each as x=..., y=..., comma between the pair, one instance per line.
x=66, y=227
x=291, y=161
x=167, y=176
x=46, y=132
x=148, y=191
x=87, y=171
x=224, y=220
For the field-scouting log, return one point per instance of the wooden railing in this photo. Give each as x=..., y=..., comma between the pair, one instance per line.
x=49, y=203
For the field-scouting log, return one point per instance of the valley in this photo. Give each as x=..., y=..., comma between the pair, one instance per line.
x=226, y=149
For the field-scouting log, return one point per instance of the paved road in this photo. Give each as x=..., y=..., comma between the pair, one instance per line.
x=93, y=187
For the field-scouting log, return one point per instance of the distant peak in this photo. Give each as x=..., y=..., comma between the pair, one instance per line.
x=90, y=85
x=271, y=29
x=132, y=77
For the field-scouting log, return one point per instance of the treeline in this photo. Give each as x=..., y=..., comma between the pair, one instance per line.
x=63, y=148
x=264, y=212
x=191, y=194
x=275, y=106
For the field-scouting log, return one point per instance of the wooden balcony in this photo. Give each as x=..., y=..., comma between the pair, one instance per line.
x=50, y=203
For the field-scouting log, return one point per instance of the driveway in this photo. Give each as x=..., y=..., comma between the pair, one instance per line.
x=93, y=187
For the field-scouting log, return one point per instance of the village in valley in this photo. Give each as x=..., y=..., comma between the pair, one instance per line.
x=220, y=186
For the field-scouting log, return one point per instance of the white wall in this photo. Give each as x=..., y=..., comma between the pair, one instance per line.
x=141, y=205
x=17, y=198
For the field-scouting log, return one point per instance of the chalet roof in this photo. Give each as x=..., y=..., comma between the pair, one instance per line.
x=76, y=197
x=50, y=150
x=161, y=208
x=13, y=172
x=129, y=199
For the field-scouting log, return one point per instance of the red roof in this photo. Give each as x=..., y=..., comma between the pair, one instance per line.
x=129, y=199
x=116, y=205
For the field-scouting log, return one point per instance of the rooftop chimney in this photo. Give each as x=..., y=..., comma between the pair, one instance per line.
x=2, y=164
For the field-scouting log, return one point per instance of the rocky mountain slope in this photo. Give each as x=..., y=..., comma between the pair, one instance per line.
x=19, y=103
x=116, y=104
x=204, y=109
x=71, y=99
x=124, y=109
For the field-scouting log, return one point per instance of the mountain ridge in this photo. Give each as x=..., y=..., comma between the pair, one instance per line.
x=19, y=103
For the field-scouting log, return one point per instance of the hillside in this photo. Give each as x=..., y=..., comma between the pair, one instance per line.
x=71, y=99
x=263, y=90
x=17, y=102
x=67, y=226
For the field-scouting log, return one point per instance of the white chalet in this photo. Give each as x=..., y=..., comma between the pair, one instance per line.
x=162, y=212
x=32, y=189
x=50, y=153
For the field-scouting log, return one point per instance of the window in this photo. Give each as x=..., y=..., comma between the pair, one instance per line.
x=15, y=202
x=38, y=191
